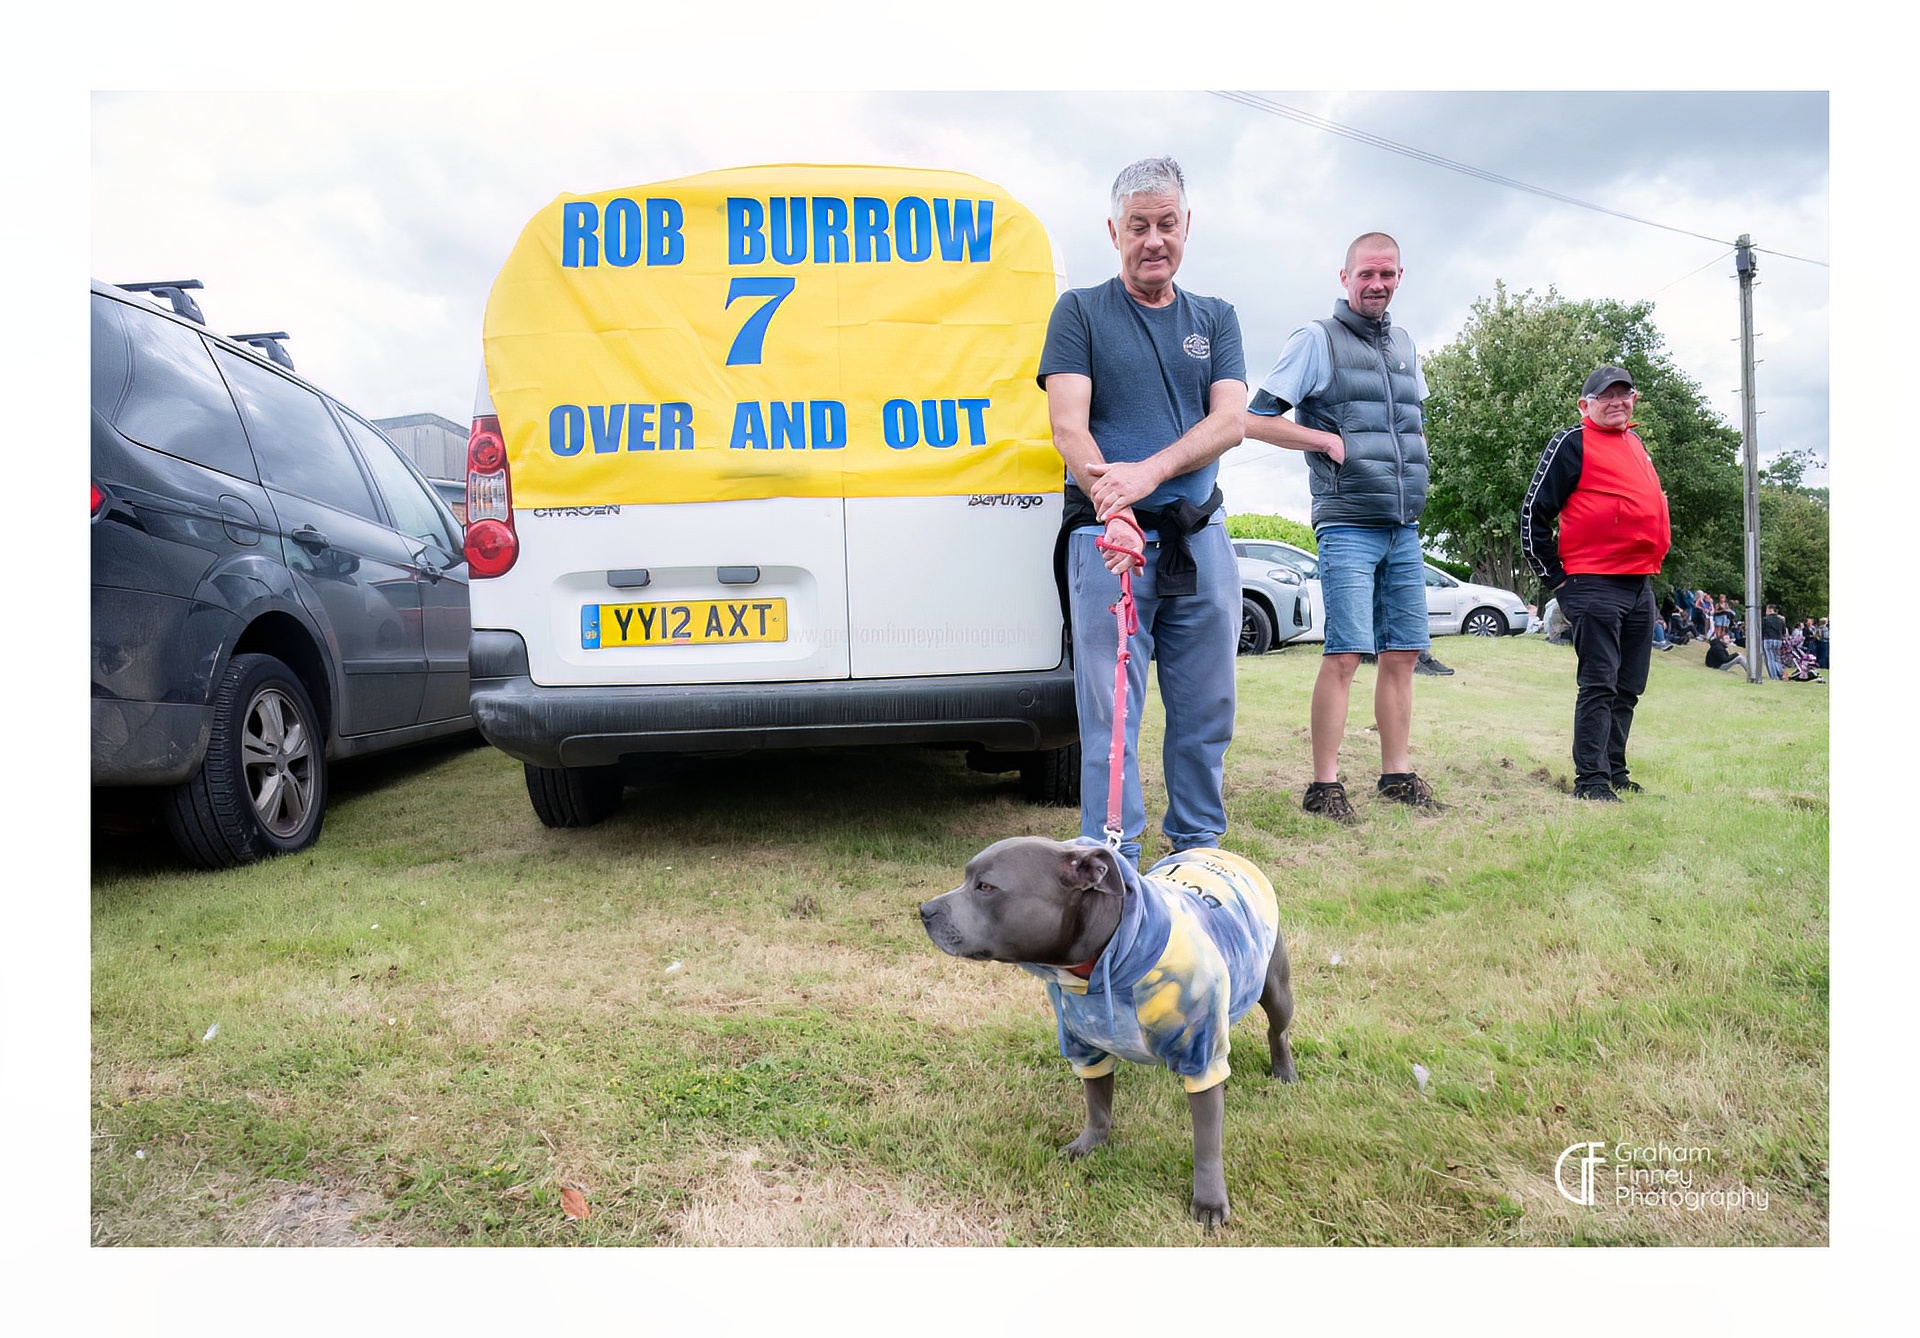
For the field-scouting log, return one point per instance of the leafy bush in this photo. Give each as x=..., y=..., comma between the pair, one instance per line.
x=1273, y=527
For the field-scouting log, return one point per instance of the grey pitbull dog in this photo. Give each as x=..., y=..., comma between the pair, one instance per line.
x=1056, y=908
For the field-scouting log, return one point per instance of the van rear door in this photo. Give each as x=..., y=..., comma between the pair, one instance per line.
x=776, y=424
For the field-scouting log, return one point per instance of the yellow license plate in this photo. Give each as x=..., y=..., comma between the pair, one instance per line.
x=691, y=622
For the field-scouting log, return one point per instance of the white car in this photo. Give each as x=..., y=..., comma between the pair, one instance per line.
x=1456, y=606
x=1453, y=606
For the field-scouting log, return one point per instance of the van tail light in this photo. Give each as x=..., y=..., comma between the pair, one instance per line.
x=492, y=546
x=99, y=501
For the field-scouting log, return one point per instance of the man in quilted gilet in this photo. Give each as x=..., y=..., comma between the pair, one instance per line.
x=1355, y=388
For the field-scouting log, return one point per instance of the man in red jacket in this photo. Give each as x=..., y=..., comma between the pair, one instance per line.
x=1597, y=480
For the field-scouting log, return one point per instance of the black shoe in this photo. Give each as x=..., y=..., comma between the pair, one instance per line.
x=1628, y=787
x=1426, y=664
x=1328, y=799
x=1597, y=793
x=1406, y=787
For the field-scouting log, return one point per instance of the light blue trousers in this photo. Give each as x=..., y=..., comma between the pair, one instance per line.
x=1192, y=639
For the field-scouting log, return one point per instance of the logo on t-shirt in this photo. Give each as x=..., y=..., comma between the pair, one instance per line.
x=1196, y=346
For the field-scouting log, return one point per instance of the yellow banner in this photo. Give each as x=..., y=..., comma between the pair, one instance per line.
x=787, y=331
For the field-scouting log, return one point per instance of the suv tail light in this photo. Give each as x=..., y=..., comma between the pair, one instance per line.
x=99, y=501
x=492, y=546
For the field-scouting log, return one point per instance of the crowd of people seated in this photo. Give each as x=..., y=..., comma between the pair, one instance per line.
x=1793, y=653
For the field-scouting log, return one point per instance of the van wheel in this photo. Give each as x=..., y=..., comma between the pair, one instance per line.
x=573, y=796
x=1052, y=777
x=262, y=788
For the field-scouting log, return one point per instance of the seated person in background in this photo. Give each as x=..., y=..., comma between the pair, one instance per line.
x=1797, y=664
x=1559, y=630
x=1660, y=641
x=1722, y=656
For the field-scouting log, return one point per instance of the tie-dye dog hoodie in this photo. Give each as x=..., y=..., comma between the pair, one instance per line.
x=1188, y=959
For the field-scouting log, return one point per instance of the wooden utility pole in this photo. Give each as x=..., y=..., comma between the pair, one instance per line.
x=1744, y=264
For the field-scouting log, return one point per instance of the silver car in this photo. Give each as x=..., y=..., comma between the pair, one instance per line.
x=1274, y=604
x=1453, y=606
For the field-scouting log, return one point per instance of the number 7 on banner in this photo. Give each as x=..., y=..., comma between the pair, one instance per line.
x=745, y=351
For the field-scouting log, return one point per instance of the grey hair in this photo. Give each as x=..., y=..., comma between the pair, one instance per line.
x=1149, y=176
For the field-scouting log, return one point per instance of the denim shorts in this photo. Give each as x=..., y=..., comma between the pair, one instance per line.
x=1373, y=584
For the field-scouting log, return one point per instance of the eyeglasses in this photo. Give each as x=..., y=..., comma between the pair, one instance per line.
x=1606, y=396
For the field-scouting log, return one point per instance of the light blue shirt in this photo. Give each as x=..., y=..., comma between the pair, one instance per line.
x=1305, y=369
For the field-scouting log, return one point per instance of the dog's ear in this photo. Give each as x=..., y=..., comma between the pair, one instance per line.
x=1091, y=868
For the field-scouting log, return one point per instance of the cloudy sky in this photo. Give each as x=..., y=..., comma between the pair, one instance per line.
x=370, y=225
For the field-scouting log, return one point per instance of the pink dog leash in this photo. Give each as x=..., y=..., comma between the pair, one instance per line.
x=1127, y=618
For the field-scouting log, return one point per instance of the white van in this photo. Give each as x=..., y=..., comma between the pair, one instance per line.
x=759, y=461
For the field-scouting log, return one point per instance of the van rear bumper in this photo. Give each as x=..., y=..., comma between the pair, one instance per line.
x=597, y=726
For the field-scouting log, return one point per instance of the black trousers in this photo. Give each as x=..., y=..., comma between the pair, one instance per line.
x=1612, y=624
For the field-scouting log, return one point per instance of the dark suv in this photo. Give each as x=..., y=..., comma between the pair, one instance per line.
x=274, y=584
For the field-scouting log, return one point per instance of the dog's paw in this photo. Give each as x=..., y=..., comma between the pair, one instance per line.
x=1208, y=1213
x=1081, y=1146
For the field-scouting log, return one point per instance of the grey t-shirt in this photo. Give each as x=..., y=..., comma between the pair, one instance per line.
x=1152, y=368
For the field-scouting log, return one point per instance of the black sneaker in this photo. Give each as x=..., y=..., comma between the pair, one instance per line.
x=1328, y=799
x=1598, y=793
x=1621, y=787
x=1406, y=787
x=1426, y=664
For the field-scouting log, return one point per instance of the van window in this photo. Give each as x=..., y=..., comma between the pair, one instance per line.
x=416, y=511
x=176, y=401
x=299, y=447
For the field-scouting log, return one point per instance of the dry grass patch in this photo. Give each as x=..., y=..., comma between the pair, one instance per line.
x=308, y=1215
x=754, y=1199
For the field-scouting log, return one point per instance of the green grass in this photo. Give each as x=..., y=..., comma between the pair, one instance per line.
x=716, y=1016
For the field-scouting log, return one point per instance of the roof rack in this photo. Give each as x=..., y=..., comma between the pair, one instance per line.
x=171, y=290
x=268, y=342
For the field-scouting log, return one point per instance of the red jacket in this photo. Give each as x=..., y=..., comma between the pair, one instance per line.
x=1601, y=487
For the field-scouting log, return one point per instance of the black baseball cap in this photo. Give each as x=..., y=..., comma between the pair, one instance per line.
x=1602, y=377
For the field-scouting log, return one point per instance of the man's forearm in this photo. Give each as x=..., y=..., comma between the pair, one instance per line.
x=1202, y=444
x=1078, y=448
x=1275, y=430
x=1199, y=446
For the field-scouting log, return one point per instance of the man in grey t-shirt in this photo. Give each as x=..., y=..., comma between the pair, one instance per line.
x=1146, y=388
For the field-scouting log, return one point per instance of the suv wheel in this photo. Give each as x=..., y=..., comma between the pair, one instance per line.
x=1052, y=777
x=262, y=788
x=574, y=796
x=1256, y=628
x=1484, y=622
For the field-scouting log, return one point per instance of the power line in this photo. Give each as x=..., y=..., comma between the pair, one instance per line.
x=1688, y=275
x=1268, y=105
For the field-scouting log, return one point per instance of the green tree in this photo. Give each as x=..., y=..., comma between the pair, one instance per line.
x=1499, y=392
x=1793, y=550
